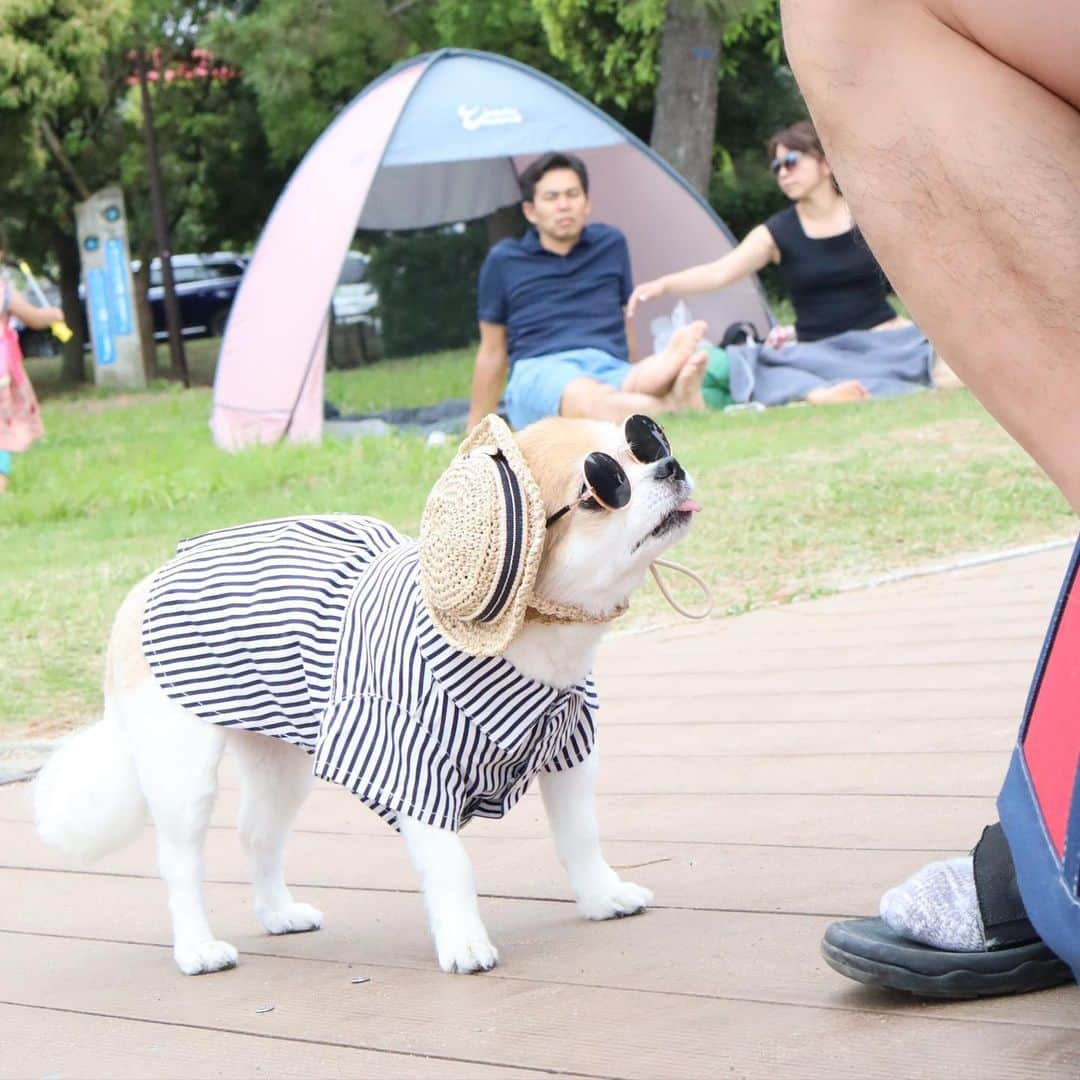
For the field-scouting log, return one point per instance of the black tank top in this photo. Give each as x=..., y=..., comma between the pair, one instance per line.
x=834, y=282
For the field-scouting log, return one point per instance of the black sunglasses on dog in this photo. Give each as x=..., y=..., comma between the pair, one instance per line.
x=604, y=479
x=788, y=161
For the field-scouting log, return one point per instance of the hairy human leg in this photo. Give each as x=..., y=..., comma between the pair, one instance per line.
x=952, y=129
x=961, y=168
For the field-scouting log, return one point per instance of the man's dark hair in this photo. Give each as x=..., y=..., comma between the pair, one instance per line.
x=544, y=164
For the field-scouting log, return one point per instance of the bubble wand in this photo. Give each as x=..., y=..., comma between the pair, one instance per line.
x=60, y=329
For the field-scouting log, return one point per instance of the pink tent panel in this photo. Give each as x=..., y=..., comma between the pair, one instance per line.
x=275, y=341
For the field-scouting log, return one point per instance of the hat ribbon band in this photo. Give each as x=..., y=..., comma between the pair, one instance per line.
x=515, y=536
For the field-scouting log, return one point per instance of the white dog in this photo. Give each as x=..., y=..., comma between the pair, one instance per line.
x=152, y=753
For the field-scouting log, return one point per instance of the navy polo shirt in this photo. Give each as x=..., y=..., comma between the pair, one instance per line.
x=551, y=303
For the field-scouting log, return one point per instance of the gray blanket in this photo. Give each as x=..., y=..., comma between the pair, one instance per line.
x=886, y=362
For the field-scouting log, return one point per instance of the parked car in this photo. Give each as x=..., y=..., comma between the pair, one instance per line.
x=206, y=286
x=205, y=289
x=354, y=298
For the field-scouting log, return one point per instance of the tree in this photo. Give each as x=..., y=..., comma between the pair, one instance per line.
x=686, y=91
x=201, y=146
x=59, y=74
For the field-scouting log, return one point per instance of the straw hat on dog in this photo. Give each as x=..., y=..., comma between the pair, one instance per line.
x=481, y=541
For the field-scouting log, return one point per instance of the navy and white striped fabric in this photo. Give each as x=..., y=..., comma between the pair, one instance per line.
x=313, y=630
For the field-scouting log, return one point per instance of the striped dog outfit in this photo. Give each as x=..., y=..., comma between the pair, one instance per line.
x=313, y=630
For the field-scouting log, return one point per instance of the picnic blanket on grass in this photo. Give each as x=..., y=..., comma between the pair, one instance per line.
x=887, y=362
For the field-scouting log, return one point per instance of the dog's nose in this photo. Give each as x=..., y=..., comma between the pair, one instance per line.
x=668, y=469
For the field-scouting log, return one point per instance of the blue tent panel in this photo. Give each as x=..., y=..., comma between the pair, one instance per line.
x=467, y=107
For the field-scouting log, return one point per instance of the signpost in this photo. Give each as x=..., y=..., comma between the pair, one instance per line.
x=101, y=226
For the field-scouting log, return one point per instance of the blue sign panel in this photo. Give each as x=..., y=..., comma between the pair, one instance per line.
x=98, y=302
x=119, y=296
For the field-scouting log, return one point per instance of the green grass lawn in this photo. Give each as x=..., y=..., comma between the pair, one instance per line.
x=797, y=502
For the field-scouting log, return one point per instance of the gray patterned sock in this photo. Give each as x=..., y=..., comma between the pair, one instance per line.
x=938, y=906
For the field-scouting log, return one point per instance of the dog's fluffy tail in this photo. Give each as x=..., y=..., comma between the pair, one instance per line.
x=87, y=799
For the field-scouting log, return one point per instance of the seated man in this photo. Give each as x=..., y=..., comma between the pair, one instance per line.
x=551, y=308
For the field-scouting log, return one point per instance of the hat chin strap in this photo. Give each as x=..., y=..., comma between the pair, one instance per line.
x=541, y=610
x=705, y=612
x=544, y=611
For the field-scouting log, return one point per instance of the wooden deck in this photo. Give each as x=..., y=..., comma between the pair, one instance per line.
x=763, y=775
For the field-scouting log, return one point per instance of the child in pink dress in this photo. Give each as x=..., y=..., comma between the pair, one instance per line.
x=20, y=418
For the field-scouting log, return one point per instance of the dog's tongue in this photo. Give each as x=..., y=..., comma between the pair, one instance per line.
x=689, y=505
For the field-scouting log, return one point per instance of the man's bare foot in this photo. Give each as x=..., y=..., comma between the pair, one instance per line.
x=841, y=393
x=3, y=483
x=685, y=340
x=686, y=394
x=656, y=374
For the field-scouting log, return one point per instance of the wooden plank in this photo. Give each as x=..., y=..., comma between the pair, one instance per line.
x=901, y=609
x=855, y=654
x=858, y=821
x=893, y=703
x=980, y=682
x=838, y=641
x=799, y=624
x=48, y=1042
x=979, y=774
x=818, y=880
x=731, y=732
x=764, y=706
x=593, y=1030
x=767, y=789
x=739, y=955
x=735, y=731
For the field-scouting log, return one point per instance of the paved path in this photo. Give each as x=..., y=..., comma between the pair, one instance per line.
x=763, y=775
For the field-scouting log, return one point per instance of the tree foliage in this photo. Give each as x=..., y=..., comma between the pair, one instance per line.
x=57, y=65
x=306, y=59
x=511, y=28
x=611, y=46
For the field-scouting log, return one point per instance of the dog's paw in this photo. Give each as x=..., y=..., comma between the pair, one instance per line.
x=204, y=957
x=466, y=952
x=292, y=918
x=613, y=902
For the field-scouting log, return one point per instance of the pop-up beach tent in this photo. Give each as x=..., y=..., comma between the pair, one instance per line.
x=438, y=139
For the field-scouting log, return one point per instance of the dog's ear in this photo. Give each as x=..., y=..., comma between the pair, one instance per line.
x=554, y=450
x=549, y=455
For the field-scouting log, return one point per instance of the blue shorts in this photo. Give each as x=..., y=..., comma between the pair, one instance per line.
x=537, y=383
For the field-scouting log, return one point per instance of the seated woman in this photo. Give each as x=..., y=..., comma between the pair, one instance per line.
x=833, y=281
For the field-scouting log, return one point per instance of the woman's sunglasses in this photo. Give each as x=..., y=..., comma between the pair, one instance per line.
x=605, y=481
x=788, y=161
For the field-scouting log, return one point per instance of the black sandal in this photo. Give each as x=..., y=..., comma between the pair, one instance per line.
x=1015, y=961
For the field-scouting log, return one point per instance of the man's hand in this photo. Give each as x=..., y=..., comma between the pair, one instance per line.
x=647, y=290
x=489, y=374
